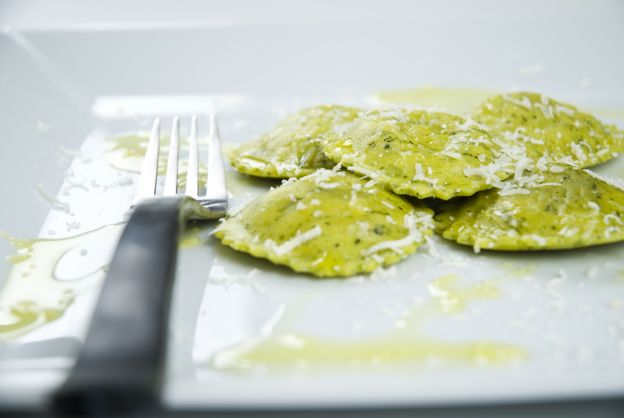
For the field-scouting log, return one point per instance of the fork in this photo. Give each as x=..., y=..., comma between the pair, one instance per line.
x=119, y=368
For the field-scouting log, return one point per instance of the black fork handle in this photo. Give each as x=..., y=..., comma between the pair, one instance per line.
x=120, y=366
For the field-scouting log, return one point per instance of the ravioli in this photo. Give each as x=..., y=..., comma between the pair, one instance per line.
x=291, y=149
x=329, y=224
x=568, y=208
x=550, y=130
x=417, y=153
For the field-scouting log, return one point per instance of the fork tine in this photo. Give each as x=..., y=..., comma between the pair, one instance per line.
x=149, y=169
x=192, y=184
x=215, y=185
x=171, y=179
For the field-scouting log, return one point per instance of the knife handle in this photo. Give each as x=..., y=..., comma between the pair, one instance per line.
x=120, y=366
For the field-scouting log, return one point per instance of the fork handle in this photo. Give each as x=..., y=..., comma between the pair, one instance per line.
x=120, y=366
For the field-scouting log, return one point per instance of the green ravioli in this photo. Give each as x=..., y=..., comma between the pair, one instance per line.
x=330, y=223
x=291, y=149
x=417, y=153
x=547, y=130
x=568, y=208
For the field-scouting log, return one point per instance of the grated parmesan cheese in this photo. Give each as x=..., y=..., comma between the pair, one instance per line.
x=413, y=235
x=291, y=244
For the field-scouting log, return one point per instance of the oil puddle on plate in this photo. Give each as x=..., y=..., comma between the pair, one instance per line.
x=462, y=100
x=48, y=274
x=125, y=152
x=281, y=347
x=451, y=100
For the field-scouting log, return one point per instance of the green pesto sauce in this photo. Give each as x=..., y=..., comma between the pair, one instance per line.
x=328, y=224
x=290, y=149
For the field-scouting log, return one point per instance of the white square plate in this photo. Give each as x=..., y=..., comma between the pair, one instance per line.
x=557, y=317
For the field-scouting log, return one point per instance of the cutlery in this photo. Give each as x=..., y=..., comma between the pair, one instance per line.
x=119, y=368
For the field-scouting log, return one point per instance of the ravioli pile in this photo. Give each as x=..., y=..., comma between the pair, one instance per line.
x=510, y=177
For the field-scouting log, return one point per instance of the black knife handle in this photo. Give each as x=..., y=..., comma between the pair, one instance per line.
x=120, y=366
